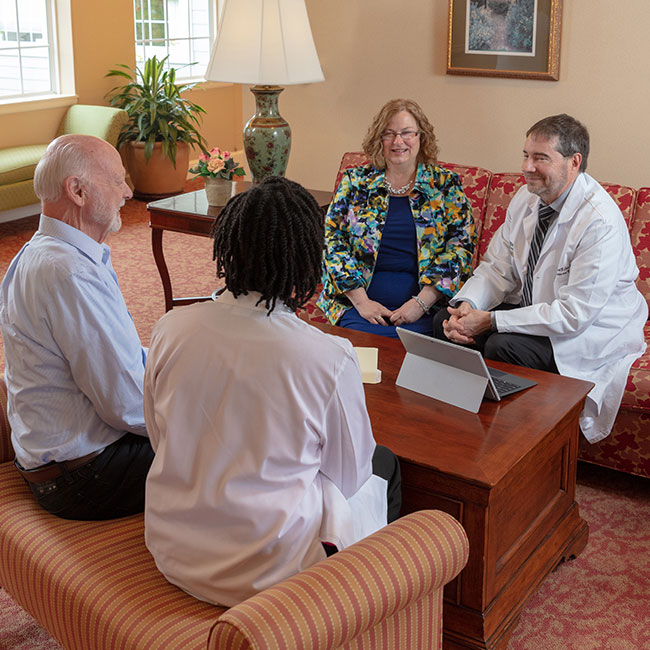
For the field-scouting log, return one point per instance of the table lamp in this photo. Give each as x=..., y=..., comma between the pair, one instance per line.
x=267, y=43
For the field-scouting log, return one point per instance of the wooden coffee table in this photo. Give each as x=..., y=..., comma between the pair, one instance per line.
x=507, y=473
x=190, y=213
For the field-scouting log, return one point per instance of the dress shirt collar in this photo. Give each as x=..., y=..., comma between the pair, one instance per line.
x=98, y=253
x=248, y=302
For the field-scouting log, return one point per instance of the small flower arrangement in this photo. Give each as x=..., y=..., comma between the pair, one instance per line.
x=218, y=164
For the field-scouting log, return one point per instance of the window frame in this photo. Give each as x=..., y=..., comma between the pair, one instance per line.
x=215, y=7
x=61, y=64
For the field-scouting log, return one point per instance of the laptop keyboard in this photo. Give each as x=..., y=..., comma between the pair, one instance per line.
x=503, y=386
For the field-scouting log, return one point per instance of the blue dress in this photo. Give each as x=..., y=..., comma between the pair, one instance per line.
x=395, y=278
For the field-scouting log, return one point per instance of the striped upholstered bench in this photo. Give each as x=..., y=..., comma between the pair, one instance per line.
x=93, y=585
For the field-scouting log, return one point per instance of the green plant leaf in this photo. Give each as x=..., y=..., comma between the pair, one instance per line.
x=157, y=111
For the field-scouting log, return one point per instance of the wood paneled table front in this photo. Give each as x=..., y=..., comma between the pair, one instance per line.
x=507, y=473
x=190, y=213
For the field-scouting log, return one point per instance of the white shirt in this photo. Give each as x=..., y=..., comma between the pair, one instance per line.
x=260, y=426
x=584, y=294
x=74, y=364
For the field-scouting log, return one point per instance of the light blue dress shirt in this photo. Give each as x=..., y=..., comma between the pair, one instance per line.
x=74, y=364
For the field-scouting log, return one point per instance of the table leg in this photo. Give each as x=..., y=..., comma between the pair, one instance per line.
x=159, y=257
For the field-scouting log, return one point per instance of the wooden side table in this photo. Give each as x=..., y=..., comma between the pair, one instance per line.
x=190, y=213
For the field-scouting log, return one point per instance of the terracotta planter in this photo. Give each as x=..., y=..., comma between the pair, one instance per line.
x=157, y=177
x=217, y=190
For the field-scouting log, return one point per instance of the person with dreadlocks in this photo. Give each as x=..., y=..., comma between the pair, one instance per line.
x=264, y=450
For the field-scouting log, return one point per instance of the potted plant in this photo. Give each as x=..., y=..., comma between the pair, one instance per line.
x=218, y=169
x=161, y=127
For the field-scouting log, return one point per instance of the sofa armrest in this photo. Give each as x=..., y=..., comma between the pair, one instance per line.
x=6, y=450
x=386, y=586
x=102, y=121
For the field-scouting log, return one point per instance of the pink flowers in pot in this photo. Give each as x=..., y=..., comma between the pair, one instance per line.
x=218, y=164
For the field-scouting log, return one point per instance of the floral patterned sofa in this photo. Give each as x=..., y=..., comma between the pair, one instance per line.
x=627, y=448
x=94, y=586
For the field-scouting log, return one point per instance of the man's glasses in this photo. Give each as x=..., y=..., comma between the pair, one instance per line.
x=405, y=135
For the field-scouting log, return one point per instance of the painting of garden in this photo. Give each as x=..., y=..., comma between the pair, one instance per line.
x=504, y=26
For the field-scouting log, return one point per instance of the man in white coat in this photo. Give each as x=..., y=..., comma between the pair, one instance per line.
x=556, y=289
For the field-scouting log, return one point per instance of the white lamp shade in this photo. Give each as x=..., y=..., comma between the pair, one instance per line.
x=266, y=42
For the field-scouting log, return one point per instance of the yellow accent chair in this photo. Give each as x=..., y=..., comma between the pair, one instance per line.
x=17, y=164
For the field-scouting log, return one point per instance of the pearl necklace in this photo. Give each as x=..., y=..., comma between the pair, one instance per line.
x=400, y=190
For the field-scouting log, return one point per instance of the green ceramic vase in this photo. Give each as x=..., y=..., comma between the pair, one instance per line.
x=267, y=135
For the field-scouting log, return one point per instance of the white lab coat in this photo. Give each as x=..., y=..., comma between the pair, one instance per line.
x=263, y=447
x=584, y=296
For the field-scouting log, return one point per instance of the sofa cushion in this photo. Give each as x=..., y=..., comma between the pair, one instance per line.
x=476, y=182
x=624, y=197
x=502, y=188
x=626, y=449
x=637, y=390
x=100, y=575
x=350, y=159
x=17, y=195
x=18, y=163
x=101, y=121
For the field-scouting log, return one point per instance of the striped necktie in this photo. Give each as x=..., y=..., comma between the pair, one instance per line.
x=545, y=216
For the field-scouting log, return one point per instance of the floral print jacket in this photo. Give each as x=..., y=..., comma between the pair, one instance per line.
x=443, y=221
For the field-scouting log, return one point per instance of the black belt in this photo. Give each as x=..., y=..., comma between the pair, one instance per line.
x=54, y=470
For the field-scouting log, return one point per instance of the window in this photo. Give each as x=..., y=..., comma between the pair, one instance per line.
x=28, y=58
x=181, y=29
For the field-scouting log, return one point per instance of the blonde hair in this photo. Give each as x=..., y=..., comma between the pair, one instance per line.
x=372, y=144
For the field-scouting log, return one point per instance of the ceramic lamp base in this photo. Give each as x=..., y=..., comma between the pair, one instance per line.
x=217, y=190
x=267, y=135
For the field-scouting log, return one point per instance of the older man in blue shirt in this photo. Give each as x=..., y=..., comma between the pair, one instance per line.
x=74, y=362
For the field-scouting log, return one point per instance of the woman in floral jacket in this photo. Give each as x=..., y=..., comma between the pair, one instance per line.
x=399, y=232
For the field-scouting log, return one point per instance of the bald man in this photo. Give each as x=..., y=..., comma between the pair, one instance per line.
x=74, y=362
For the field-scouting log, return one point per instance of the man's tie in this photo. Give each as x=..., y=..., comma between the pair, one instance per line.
x=545, y=216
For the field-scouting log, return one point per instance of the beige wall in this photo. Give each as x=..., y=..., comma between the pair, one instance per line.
x=374, y=50
x=102, y=34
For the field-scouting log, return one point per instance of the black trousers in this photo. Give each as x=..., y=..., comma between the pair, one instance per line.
x=519, y=349
x=111, y=485
x=386, y=465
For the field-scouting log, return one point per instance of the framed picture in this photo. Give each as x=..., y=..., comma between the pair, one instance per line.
x=505, y=38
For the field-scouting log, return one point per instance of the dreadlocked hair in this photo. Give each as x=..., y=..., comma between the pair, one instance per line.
x=269, y=239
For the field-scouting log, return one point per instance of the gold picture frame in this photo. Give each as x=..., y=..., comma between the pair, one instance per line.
x=505, y=38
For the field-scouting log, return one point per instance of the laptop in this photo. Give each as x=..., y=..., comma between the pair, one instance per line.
x=452, y=373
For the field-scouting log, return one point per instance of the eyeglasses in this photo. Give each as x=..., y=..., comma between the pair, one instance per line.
x=405, y=135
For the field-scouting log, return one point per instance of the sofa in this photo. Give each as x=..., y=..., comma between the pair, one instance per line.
x=94, y=585
x=627, y=448
x=17, y=164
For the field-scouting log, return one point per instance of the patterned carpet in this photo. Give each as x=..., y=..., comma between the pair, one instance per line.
x=598, y=601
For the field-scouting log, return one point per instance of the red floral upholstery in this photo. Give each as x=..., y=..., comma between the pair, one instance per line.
x=640, y=235
x=624, y=198
x=350, y=159
x=626, y=449
x=476, y=182
x=310, y=312
x=502, y=188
